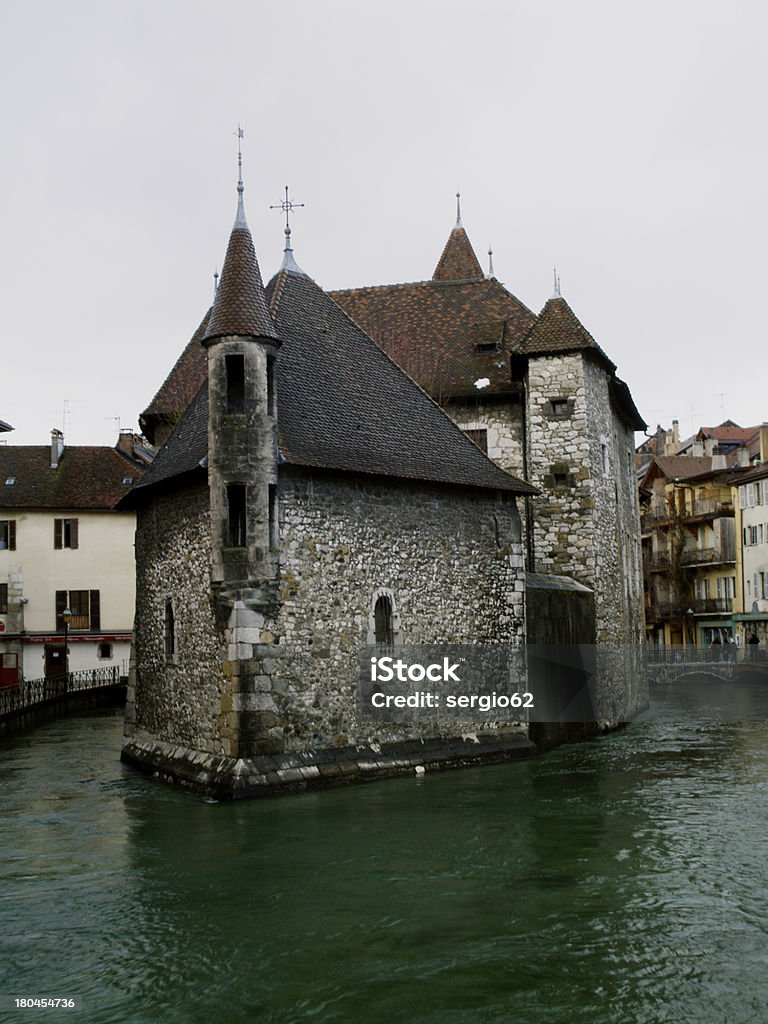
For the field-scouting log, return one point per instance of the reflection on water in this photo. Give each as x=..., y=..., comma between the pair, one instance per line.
x=617, y=881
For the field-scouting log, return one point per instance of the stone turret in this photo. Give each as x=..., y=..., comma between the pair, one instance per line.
x=242, y=477
x=242, y=455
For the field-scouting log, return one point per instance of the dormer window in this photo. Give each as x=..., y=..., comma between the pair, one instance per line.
x=487, y=347
x=10, y=481
x=127, y=480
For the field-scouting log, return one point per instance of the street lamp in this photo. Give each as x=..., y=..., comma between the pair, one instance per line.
x=66, y=616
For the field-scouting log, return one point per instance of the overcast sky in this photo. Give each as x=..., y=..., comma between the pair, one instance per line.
x=624, y=142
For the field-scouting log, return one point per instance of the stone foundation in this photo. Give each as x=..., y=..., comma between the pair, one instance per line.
x=227, y=778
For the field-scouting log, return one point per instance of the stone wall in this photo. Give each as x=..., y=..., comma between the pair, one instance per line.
x=241, y=683
x=179, y=698
x=560, y=463
x=502, y=419
x=449, y=559
x=587, y=520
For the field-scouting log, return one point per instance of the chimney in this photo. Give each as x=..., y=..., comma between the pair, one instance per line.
x=709, y=446
x=742, y=457
x=125, y=442
x=675, y=434
x=719, y=462
x=57, y=447
x=697, y=450
x=764, y=442
x=659, y=440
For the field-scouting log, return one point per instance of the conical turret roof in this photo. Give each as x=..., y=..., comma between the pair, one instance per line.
x=240, y=307
x=458, y=262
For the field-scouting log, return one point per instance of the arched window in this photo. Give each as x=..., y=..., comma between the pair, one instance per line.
x=383, y=619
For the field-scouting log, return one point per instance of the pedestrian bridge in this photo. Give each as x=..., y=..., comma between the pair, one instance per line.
x=668, y=664
x=32, y=701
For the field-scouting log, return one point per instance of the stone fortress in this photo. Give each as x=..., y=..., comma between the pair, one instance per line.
x=309, y=498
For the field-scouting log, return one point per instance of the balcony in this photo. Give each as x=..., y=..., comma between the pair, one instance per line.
x=706, y=556
x=712, y=605
x=659, y=562
x=709, y=509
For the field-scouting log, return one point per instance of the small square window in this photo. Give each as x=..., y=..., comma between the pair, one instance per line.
x=104, y=652
x=560, y=479
x=559, y=406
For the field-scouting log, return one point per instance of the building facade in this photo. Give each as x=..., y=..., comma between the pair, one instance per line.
x=540, y=396
x=64, y=548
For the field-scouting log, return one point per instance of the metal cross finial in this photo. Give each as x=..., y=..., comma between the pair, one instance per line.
x=458, y=210
x=490, y=261
x=287, y=205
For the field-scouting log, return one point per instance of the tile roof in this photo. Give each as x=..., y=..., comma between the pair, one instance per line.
x=759, y=472
x=681, y=467
x=458, y=261
x=180, y=386
x=5, y=426
x=446, y=335
x=343, y=404
x=558, y=329
x=86, y=477
x=240, y=306
x=728, y=432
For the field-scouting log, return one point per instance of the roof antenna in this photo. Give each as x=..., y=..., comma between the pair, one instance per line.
x=240, y=221
x=458, y=210
x=490, y=261
x=556, y=293
x=286, y=206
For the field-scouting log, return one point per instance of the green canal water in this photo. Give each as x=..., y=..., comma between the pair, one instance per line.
x=622, y=880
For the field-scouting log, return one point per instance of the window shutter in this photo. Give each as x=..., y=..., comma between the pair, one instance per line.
x=95, y=609
x=61, y=604
x=57, y=525
x=12, y=534
x=73, y=524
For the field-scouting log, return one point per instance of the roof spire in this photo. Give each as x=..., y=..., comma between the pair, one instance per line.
x=490, y=261
x=458, y=210
x=556, y=293
x=289, y=263
x=240, y=305
x=240, y=221
x=215, y=282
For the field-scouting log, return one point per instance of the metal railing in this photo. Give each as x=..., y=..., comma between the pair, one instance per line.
x=29, y=693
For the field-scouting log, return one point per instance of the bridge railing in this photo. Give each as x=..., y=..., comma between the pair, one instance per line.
x=677, y=654
x=32, y=692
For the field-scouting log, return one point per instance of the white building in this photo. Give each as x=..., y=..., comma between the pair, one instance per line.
x=62, y=546
x=753, y=505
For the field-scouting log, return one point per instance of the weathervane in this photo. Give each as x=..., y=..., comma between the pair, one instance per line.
x=240, y=135
x=490, y=261
x=458, y=209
